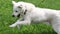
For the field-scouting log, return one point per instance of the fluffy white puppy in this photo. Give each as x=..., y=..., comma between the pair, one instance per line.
x=31, y=14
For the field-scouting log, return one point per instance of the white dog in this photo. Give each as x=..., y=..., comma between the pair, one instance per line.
x=31, y=14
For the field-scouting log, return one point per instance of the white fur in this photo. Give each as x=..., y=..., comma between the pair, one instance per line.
x=37, y=15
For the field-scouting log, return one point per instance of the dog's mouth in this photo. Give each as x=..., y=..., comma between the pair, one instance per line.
x=18, y=15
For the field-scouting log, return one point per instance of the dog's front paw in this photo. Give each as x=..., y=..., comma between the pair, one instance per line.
x=13, y=25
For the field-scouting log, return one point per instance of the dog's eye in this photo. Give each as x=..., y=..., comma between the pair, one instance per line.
x=16, y=11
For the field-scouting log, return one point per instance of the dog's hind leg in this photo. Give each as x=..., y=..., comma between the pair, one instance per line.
x=56, y=24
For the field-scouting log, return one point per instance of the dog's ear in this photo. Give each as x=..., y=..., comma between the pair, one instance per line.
x=29, y=9
x=20, y=6
x=13, y=2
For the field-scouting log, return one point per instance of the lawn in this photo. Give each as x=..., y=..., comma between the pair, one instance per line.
x=6, y=18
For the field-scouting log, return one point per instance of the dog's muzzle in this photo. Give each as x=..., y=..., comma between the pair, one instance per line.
x=17, y=15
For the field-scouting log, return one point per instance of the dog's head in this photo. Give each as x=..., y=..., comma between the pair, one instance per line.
x=20, y=8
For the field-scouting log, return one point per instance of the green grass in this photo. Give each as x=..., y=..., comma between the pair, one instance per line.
x=6, y=18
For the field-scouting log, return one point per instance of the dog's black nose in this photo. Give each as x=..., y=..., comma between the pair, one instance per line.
x=13, y=16
x=18, y=15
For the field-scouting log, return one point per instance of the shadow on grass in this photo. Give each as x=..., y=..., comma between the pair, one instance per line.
x=30, y=29
x=37, y=29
